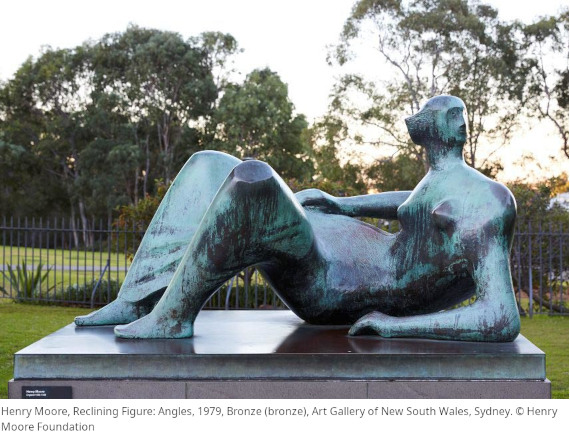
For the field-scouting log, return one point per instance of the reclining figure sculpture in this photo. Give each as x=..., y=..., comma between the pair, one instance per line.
x=222, y=215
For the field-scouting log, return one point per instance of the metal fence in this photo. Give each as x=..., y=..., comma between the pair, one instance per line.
x=57, y=261
x=539, y=267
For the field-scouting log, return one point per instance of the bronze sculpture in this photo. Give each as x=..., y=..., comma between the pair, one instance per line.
x=222, y=215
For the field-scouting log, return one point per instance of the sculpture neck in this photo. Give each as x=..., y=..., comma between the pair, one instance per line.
x=442, y=157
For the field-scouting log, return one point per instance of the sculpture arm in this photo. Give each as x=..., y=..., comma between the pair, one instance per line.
x=381, y=205
x=493, y=317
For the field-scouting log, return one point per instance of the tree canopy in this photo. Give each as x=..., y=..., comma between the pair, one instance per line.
x=546, y=82
x=433, y=47
x=88, y=129
x=256, y=120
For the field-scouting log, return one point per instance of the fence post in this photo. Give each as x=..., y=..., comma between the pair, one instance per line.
x=560, y=252
x=541, y=269
x=98, y=282
x=530, y=300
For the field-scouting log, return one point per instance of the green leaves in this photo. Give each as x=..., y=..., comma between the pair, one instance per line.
x=160, y=83
x=256, y=120
x=544, y=80
x=98, y=122
x=426, y=48
x=94, y=125
x=26, y=282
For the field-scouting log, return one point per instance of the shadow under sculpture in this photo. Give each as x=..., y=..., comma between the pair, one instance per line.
x=221, y=215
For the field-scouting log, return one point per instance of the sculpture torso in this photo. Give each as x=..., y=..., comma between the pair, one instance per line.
x=422, y=268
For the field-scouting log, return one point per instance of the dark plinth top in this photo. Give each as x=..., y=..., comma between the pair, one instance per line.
x=270, y=344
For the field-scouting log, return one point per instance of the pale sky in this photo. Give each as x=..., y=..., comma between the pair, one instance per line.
x=290, y=37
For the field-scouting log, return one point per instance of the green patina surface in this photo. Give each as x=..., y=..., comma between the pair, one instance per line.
x=222, y=215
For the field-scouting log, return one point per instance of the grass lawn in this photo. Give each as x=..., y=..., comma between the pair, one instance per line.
x=23, y=324
x=79, y=258
x=550, y=334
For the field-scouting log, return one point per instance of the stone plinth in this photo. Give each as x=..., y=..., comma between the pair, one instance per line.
x=274, y=354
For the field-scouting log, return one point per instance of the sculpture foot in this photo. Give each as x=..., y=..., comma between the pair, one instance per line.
x=374, y=323
x=151, y=327
x=117, y=312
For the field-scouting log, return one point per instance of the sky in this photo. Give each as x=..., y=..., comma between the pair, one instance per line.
x=288, y=36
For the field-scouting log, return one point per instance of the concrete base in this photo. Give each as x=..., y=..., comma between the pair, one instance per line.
x=274, y=354
x=397, y=389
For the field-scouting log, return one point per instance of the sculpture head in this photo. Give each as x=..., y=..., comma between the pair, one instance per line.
x=442, y=120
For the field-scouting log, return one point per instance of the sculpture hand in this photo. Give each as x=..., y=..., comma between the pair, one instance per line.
x=374, y=323
x=315, y=198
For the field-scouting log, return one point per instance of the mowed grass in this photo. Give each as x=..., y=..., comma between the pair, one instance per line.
x=67, y=267
x=550, y=334
x=59, y=257
x=23, y=324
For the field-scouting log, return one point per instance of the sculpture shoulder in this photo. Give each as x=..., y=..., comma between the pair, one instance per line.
x=475, y=204
x=504, y=196
x=491, y=197
x=505, y=215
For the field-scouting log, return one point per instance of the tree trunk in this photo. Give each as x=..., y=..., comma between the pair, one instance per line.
x=147, y=166
x=73, y=227
x=136, y=192
x=85, y=224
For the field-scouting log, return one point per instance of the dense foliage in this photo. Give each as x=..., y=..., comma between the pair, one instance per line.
x=84, y=131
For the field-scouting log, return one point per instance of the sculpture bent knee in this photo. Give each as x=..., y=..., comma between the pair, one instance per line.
x=222, y=215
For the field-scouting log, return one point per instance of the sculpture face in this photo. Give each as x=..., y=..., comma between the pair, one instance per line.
x=442, y=119
x=456, y=126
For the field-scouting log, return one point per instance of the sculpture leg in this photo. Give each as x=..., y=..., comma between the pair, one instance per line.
x=166, y=238
x=253, y=219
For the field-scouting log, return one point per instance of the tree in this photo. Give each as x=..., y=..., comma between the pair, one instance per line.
x=346, y=178
x=107, y=166
x=432, y=47
x=161, y=84
x=545, y=81
x=533, y=202
x=97, y=121
x=15, y=176
x=256, y=120
x=43, y=109
x=402, y=172
x=219, y=49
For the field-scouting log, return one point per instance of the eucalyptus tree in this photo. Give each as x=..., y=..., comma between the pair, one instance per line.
x=427, y=47
x=162, y=84
x=546, y=75
x=106, y=115
x=220, y=50
x=43, y=111
x=98, y=121
x=15, y=177
x=327, y=136
x=256, y=119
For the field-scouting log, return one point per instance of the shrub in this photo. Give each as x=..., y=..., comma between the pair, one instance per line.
x=26, y=282
x=106, y=291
